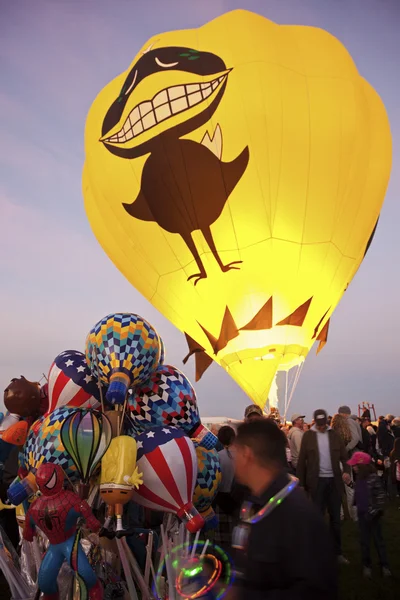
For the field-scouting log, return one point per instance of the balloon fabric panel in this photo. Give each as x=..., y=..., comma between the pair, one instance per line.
x=235, y=174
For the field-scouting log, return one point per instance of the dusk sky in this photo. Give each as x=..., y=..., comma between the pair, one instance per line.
x=56, y=281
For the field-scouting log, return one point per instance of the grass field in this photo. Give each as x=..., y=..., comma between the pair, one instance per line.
x=352, y=584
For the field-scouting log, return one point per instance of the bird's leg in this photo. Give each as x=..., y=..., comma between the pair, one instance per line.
x=192, y=247
x=210, y=241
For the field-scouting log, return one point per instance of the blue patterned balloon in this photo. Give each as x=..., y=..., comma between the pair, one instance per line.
x=207, y=484
x=123, y=350
x=44, y=443
x=168, y=398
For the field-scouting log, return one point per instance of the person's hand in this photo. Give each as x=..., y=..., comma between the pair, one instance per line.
x=346, y=478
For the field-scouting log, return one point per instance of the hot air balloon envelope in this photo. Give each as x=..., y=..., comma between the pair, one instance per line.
x=235, y=174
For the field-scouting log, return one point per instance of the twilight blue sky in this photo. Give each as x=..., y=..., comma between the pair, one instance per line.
x=56, y=281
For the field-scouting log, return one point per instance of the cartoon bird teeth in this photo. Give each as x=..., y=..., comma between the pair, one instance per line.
x=165, y=104
x=185, y=184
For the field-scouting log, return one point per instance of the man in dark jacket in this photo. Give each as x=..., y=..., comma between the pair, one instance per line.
x=318, y=469
x=283, y=548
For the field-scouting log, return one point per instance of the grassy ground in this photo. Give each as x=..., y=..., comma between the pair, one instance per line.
x=352, y=584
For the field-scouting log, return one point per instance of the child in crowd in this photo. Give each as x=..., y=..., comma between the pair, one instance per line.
x=369, y=499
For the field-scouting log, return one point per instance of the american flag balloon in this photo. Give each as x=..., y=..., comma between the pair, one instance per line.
x=168, y=398
x=167, y=458
x=71, y=382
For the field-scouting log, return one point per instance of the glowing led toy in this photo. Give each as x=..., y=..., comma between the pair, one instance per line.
x=196, y=576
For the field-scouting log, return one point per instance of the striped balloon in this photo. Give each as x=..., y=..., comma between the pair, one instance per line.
x=71, y=383
x=86, y=435
x=167, y=459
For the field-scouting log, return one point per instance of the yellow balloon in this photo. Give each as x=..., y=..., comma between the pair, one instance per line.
x=235, y=174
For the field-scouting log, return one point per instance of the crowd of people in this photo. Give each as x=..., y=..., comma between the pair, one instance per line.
x=334, y=468
x=281, y=485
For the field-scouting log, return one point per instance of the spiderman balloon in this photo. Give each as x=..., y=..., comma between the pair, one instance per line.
x=56, y=513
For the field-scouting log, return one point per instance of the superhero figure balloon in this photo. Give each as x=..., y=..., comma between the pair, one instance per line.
x=56, y=513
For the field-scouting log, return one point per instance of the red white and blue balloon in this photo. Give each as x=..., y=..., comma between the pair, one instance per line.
x=168, y=398
x=168, y=461
x=71, y=383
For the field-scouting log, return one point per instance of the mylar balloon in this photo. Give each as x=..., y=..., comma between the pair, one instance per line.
x=168, y=398
x=86, y=435
x=71, y=383
x=207, y=484
x=167, y=459
x=123, y=350
x=43, y=445
x=235, y=174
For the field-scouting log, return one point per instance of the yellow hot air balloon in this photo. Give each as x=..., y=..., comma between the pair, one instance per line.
x=235, y=174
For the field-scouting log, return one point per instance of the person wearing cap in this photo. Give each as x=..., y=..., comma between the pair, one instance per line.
x=355, y=429
x=295, y=436
x=369, y=500
x=322, y=453
x=253, y=412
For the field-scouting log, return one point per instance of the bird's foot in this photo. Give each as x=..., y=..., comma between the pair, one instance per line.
x=230, y=267
x=197, y=277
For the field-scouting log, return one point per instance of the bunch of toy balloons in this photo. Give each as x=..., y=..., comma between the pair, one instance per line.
x=122, y=367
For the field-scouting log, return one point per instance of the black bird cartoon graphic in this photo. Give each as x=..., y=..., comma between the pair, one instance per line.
x=184, y=184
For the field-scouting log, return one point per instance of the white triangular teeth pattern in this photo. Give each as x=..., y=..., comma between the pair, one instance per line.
x=165, y=104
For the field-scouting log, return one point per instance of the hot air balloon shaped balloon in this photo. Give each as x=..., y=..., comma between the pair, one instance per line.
x=235, y=174
x=207, y=484
x=119, y=477
x=123, y=350
x=167, y=459
x=71, y=382
x=86, y=435
x=168, y=398
x=43, y=445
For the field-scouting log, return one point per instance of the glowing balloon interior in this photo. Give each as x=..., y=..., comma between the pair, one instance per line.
x=235, y=175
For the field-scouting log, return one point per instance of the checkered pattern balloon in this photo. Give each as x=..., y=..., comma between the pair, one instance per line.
x=168, y=398
x=123, y=349
x=44, y=443
x=207, y=484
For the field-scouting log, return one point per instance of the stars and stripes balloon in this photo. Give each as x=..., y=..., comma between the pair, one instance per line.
x=122, y=350
x=168, y=398
x=71, y=382
x=167, y=459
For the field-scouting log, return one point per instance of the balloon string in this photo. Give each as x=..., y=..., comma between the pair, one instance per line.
x=295, y=382
x=123, y=414
x=99, y=381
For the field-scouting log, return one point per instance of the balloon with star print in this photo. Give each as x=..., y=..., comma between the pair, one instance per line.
x=71, y=383
x=168, y=461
